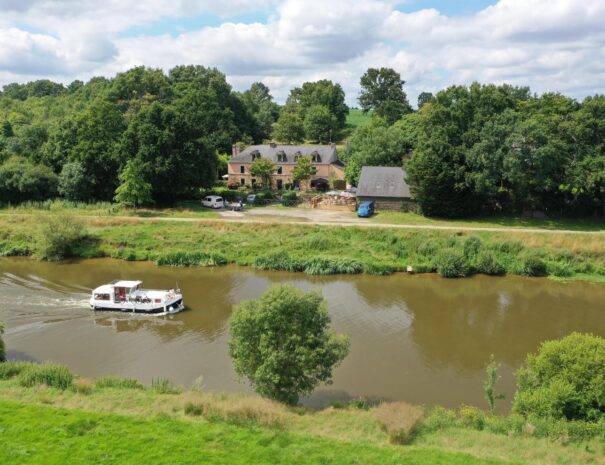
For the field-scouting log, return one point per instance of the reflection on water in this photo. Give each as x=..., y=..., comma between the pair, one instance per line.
x=418, y=338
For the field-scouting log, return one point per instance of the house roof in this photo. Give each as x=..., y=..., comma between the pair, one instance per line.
x=382, y=181
x=327, y=153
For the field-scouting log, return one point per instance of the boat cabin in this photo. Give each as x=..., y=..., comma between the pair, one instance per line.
x=117, y=291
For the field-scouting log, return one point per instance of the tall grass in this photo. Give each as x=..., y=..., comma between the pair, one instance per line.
x=182, y=258
x=115, y=382
x=51, y=375
x=400, y=420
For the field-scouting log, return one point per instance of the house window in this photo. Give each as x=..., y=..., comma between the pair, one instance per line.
x=255, y=155
x=316, y=157
x=297, y=155
x=280, y=184
x=253, y=182
x=279, y=170
x=242, y=169
x=242, y=182
x=281, y=156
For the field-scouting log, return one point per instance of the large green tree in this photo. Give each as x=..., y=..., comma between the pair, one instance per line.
x=320, y=124
x=282, y=344
x=382, y=92
x=133, y=190
x=304, y=169
x=289, y=127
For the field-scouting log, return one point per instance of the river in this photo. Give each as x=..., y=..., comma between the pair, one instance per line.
x=423, y=339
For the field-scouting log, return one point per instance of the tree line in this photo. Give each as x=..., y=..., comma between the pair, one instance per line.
x=492, y=149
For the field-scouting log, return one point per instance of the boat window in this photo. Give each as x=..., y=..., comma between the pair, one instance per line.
x=101, y=296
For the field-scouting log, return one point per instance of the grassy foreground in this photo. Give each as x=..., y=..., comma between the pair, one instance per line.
x=325, y=249
x=118, y=421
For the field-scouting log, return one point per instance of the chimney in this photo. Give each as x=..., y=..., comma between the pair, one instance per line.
x=234, y=150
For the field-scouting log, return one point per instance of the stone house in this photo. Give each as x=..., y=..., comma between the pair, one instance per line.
x=324, y=158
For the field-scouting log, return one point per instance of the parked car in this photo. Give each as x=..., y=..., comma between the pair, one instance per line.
x=235, y=205
x=213, y=201
x=365, y=209
x=251, y=199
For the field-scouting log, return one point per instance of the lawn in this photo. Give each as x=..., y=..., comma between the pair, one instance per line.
x=44, y=435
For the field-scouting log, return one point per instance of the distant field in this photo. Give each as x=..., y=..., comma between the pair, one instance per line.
x=355, y=118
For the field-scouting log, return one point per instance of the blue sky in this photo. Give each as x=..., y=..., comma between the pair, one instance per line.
x=549, y=45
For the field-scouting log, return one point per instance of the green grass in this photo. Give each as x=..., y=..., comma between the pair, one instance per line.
x=328, y=249
x=355, y=118
x=571, y=224
x=41, y=435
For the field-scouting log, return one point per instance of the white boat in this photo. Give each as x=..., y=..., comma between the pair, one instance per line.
x=127, y=296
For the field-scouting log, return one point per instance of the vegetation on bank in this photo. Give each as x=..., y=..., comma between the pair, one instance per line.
x=317, y=250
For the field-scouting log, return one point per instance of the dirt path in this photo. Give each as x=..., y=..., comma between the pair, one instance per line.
x=326, y=218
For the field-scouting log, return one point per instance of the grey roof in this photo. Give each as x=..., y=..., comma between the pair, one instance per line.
x=327, y=153
x=382, y=181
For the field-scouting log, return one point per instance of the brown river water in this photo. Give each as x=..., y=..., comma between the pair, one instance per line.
x=422, y=339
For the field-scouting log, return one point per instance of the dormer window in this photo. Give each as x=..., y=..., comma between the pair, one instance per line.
x=281, y=156
x=316, y=157
x=255, y=155
x=297, y=155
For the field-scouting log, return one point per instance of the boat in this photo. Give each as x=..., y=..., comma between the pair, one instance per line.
x=127, y=296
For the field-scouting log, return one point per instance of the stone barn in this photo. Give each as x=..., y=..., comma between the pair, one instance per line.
x=386, y=186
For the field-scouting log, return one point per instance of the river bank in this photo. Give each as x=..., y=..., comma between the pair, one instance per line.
x=325, y=249
x=183, y=425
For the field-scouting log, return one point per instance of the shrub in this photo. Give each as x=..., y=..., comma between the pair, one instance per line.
x=451, y=263
x=327, y=266
x=472, y=245
x=511, y=247
x=20, y=249
x=289, y=199
x=182, y=258
x=278, y=261
x=379, y=269
x=487, y=263
x=560, y=270
x=282, y=343
x=9, y=370
x=57, y=376
x=164, y=386
x=532, y=265
x=565, y=379
x=428, y=248
x=472, y=417
x=58, y=236
x=399, y=420
x=194, y=410
x=116, y=382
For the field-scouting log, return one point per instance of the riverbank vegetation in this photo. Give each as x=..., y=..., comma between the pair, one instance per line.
x=322, y=250
x=65, y=412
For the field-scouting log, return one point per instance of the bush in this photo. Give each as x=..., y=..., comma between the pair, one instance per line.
x=399, y=420
x=472, y=417
x=487, y=263
x=282, y=343
x=560, y=270
x=451, y=263
x=194, y=410
x=472, y=245
x=182, y=258
x=164, y=386
x=289, y=199
x=278, y=261
x=532, y=265
x=57, y=376
x=327, y=266
x=115, y=382
x=58, y=236
x=83, y=386
x=565, y=379
x=9, y=370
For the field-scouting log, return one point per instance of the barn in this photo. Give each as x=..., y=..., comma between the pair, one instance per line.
x=386, y=186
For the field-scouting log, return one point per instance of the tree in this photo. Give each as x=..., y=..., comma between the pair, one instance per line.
x=264, y=169
x=491, y=370
x=133, y=190
x=375, y=144
x=564, y=380
x=282, y=343
x=304, y=169
x=424, y=98
x=21, y=180
x=259, y=102
x=320, y=125
x=323, y=92
x=74, y=184
x=382, y=92
x=289, y=128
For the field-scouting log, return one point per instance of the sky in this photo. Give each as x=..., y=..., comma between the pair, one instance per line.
x=549, y=45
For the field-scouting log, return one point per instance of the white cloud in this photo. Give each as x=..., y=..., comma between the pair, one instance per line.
x=548, y=44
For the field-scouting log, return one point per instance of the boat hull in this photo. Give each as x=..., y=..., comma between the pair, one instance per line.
x=127, y=307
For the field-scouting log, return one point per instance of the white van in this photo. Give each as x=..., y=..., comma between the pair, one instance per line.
x=213, y=201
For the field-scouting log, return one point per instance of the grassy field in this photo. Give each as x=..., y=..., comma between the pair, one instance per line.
x=326, y=249
x=111, y=421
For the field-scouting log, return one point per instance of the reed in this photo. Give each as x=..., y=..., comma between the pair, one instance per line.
x=51, y=375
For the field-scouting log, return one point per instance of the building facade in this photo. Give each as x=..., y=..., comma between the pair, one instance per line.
x=284, y=157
